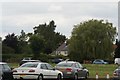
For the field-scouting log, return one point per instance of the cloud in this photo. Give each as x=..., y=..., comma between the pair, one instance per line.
x=59, y=0
x=26, y=15
x=55, y=8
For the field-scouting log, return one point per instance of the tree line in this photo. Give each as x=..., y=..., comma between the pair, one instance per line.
x=89, y=40
x=43, y=40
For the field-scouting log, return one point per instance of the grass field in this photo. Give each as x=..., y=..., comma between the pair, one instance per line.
x=102, y=69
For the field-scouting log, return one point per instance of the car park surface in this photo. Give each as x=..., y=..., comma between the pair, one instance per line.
x=36, y=70
x=72, y=70
x=5, y=72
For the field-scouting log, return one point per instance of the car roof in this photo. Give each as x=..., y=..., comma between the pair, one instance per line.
x=34, y=62
x=67, y=62
x=3, y=63
x=30, y=60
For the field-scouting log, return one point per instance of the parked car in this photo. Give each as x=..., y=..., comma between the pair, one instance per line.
x=99, y=61
x=73, y=70
x=5, y=72
x=36, y=70
x=57, y=60
x=117, y=61
x=27, y=60
x=116, y=74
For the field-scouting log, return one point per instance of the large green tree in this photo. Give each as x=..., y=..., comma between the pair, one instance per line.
x=52, y=38
x=37, y=45
x=92, y=39
x=11, y=41
x=117, y=50
x=23, y=45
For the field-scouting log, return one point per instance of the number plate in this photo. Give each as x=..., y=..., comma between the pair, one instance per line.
x=21, y=75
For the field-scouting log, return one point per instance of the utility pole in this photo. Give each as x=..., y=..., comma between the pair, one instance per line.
x=119, y=20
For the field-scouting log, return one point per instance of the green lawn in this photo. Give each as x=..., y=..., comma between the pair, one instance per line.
x=102, y=70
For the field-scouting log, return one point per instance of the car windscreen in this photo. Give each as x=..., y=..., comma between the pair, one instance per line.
x=98, y=60
x=65, y=65
x=30, y=65
x=4, y=67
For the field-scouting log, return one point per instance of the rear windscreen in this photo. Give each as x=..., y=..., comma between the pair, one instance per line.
x=29, y=65
x=65, y=65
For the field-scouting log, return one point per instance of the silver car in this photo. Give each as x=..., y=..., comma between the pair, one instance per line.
x=72, y=70
x=116, y=74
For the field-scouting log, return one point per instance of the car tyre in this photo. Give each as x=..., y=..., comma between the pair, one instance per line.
x=87, y=75
x=75, y=77
x=59, y=77
x=40, y=77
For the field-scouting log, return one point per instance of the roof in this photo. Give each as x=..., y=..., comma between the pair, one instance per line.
x=66, y=62
x=34, y=62
x=31, y=60
x=3, y=63
x=63, y=47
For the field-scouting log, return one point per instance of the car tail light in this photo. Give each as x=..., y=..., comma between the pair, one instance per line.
x=69, y=69
x=31, y=70
x=14, y=70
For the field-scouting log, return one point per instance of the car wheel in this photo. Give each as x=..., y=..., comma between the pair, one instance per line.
x=59, y=77
x=75, y=77
x=1, y=78
x=40, y=77
x=87, y=75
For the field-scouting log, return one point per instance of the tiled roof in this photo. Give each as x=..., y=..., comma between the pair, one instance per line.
x=63, y=47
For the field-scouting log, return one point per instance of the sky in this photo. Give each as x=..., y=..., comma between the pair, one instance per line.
x=24, y=15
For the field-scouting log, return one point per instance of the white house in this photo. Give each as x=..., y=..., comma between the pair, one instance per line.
x=62, y=50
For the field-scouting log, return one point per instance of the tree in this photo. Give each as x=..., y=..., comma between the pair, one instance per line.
x=117, y=50
x=23, y=43
x=11, y=41
x=7, y=50
x=92, y=39
x=50, y=36
x=37, y=45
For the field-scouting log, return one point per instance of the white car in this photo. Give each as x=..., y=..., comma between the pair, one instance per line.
x=37, y=70
x=117, y=61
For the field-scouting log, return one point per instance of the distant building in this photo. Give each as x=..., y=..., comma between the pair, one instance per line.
x=62, y=50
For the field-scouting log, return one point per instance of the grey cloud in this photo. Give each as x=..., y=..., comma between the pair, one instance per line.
x=65, y=14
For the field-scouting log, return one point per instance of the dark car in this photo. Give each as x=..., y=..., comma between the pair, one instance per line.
x=57, y=60
x=99, y=61
x=73, y=70
x=5, y=72
x=27, y=60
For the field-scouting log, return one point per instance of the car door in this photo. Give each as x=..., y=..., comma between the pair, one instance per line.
x=45, y=71
x=7, y=72
x=81, y=71
x=52, y=72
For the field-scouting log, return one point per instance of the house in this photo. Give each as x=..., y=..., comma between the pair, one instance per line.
x=62, y=50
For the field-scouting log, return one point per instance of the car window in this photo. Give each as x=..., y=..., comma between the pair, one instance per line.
x=98, y=61
x=65, y=65
x=4, y=67
x=49, y=66
x=80, y=66
x=1, y=67
x=29, y=65
x=77, y=66
x=43, y=66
